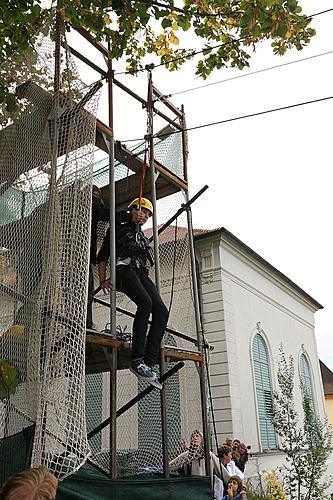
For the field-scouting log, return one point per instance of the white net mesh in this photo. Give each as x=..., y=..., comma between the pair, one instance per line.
x=46, y=166
x=46, y=170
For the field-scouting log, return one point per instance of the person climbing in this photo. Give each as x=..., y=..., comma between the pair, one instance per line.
x=133, y=256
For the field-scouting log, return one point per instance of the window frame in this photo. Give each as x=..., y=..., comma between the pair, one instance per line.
x=258, y=331
x=304, y=355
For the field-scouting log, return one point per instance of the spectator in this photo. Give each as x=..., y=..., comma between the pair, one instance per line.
x=192, y=462
x=182, y=445
x=235, y=489
x=31, y=484
x=235, y=444
x=228, y=442
x=225, y=456
x=240, y=456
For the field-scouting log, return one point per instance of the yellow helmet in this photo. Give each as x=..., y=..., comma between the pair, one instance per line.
x=145, y=203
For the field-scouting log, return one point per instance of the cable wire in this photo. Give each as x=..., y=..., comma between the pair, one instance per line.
x=244, y=75
x=251, y=115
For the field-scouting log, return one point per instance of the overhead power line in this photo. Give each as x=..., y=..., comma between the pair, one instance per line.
x=196, y=52
x=246, y=74
x=228, y=120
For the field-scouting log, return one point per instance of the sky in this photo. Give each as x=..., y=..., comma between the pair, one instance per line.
x=269, y=176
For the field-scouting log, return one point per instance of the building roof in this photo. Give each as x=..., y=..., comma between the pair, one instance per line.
x=199, y=234
x=327, y=378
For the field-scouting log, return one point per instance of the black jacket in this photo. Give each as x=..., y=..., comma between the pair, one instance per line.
x=130, y=241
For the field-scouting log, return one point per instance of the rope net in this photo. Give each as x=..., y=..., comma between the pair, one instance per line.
x=46, y=173
x=45, y=202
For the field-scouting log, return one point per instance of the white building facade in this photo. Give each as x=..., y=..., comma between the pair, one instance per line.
x=249, y=310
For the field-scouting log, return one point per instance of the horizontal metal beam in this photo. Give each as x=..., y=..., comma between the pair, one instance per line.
x=132, y=315
x=144, y=103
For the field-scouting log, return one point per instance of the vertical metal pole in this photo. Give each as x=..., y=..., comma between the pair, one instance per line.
x=49, y=235
x=56, y=86
x=202, y=367
x=113, y=321
x=157, y=267
x=184, y=144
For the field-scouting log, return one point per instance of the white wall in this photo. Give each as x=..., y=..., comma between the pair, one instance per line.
x=241, y=295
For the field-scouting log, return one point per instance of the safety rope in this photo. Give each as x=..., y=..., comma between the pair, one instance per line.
x=148, y=137
x=143, y=175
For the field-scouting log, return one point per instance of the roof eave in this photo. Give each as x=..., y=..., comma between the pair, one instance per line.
x=222, y=231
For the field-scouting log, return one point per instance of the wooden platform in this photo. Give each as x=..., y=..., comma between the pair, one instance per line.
x=97, y=345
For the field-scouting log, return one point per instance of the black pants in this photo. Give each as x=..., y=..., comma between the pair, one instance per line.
x=137, y=285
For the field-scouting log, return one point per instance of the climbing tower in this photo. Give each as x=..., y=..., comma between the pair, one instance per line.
x=76, y=402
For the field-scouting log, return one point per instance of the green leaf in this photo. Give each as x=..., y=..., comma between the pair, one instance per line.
x=292, y=5
x=282, y=30
x=166, y=23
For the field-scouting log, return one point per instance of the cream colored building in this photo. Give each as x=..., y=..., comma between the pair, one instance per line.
x=249, y=309
x=327, y=377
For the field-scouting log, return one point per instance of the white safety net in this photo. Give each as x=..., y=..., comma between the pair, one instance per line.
x=45, y=203
x=46, y=173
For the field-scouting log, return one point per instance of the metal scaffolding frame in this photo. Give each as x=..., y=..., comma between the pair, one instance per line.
x=105, y=140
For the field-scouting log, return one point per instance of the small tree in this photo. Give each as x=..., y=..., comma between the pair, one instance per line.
x=8, y=379
x=306, y=444
x=8, y=385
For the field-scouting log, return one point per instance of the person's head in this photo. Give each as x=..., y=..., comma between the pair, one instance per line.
x=235, y=444
x=235, y=484
x=144, y=205
x=31, y=484
x=228, y=442
x=196, y=437
x=225, y=454
x=242, y=447
x=195, y=449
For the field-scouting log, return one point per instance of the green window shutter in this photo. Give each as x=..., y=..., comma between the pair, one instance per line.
x=306, y=378
x=263, y=393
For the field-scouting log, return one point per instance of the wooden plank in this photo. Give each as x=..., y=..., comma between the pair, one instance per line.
x=176, y=355
x=96, y=361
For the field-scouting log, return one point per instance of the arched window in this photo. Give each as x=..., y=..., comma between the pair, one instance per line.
x=263, y=392
x=306, y=378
